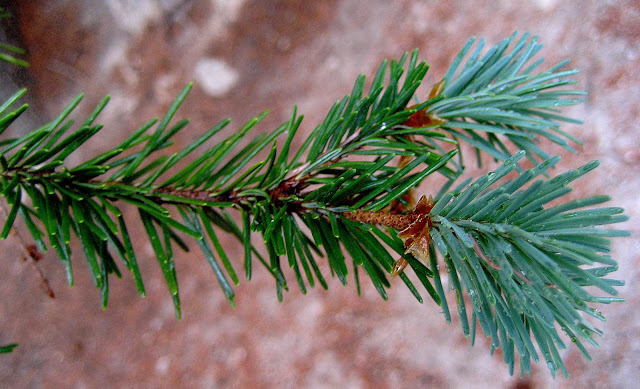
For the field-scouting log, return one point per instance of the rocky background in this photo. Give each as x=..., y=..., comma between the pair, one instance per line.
x=245, y=57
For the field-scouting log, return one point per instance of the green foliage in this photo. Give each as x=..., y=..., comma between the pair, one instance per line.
x=8, y=348
x=520, y=266
x=5, y=49
x=497, y=93
x=513, y=255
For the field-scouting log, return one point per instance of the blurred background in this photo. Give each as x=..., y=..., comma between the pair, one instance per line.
x=246, y=57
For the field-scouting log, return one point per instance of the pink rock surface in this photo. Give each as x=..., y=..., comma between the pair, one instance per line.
x=275, y=55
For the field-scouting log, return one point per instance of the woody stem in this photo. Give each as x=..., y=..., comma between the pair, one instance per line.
x=395, y=221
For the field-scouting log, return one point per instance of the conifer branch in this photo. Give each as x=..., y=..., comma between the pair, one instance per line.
x=516, y=264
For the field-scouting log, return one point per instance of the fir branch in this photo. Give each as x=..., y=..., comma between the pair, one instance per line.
x=522, y=265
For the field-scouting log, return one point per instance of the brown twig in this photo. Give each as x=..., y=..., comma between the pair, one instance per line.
x=32, y=252
x=395, y=221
